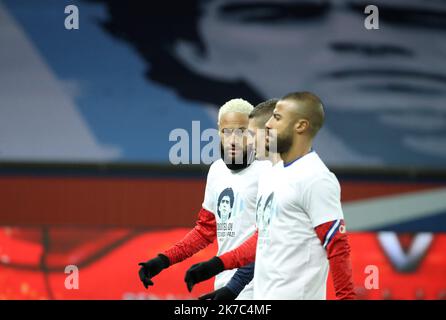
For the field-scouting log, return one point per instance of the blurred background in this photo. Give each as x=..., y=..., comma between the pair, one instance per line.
x=85, y=118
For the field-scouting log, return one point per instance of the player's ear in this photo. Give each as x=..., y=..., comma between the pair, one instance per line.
x=201, y=62
x=301, y=126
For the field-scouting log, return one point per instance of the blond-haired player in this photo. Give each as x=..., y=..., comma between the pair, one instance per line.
x=228, y=210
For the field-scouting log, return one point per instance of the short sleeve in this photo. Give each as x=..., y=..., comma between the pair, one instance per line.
x=323, y=199
x=209, y=198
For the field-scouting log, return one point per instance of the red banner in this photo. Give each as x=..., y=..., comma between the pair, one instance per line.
x=33, y=261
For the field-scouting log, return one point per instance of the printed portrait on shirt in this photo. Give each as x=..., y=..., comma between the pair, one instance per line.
x=268, y=210
x=265, y=211
x=225, y=204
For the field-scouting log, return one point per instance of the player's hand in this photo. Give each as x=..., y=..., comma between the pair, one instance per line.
x=221, y=294
x=151, y=268
x=202, y=271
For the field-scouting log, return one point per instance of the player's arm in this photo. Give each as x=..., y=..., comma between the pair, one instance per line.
x=239, y=257
x=334, y=239
x=241, y=278
x=202, y=235
x=323, y=204
x=238, y=282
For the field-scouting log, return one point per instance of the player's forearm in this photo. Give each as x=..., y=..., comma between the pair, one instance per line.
x=241, y=278
x=341, y=272
x=236, y=258
x=202, y=235
x=335, y=241
x=242, y=255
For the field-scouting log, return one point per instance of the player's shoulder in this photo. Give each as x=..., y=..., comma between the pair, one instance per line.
x=315, y=164
x=217, y=168
x=325, y=179
x=260, y=168
x=308, y=165
x=312, y=169
x=261, y=165
x=321, y=175
x=217, y=164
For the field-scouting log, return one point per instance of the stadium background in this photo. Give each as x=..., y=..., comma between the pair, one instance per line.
x=85, y=117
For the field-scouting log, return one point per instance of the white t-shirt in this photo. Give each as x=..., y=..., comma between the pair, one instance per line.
x=231, y=196
x=290, y=260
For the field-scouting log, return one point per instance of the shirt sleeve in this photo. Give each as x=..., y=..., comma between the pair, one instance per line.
x=322, y=200
x=205, y=230
x=202, y=235
x=241, y=278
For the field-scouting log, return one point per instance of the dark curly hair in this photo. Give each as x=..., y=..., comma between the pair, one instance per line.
x=152, y=29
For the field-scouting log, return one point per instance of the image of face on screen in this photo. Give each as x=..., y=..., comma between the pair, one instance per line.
x=391, y=81
x=384, y=90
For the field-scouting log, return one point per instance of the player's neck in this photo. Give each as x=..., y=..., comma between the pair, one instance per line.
x=297, y=150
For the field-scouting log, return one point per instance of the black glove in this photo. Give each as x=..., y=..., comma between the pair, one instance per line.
x=221, y=294
x=151, y=268
x=203, y=271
